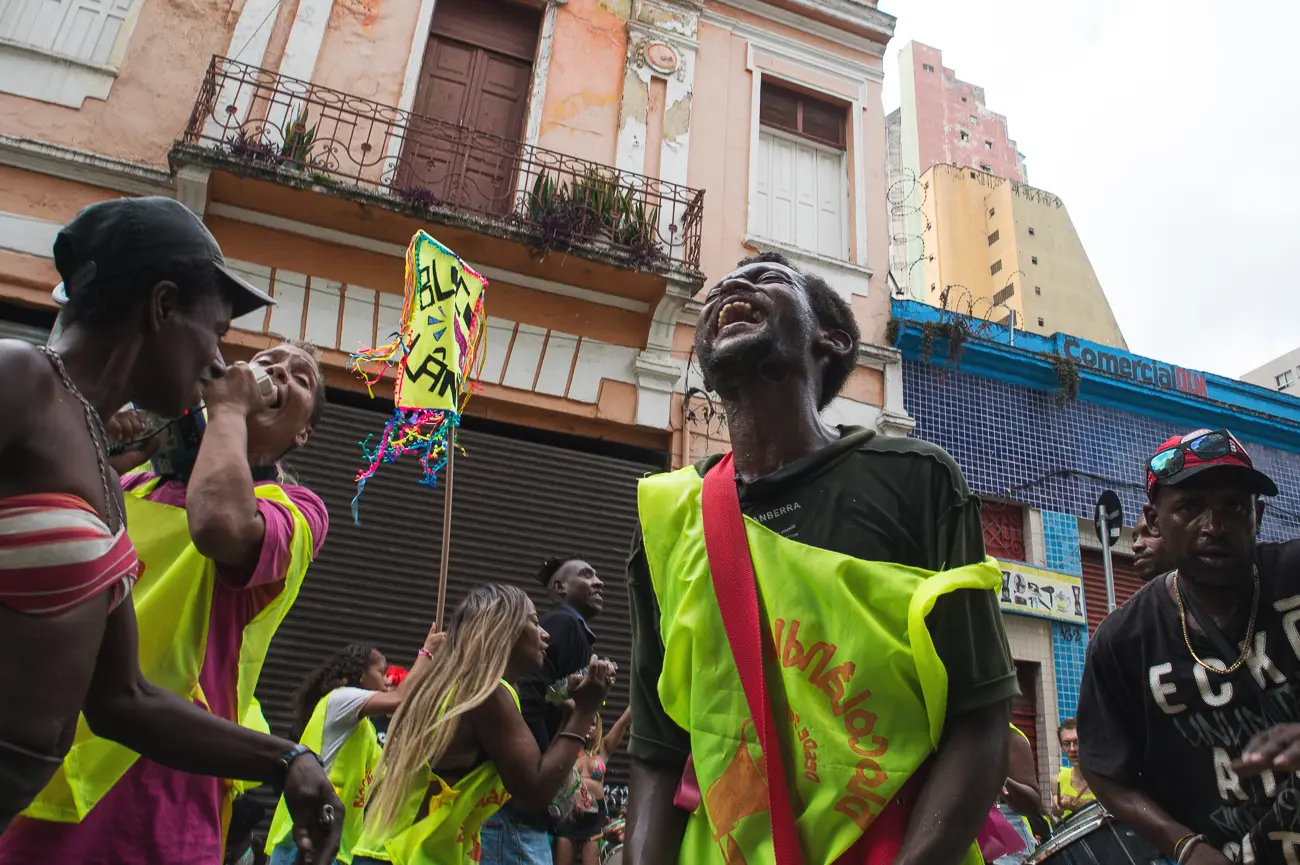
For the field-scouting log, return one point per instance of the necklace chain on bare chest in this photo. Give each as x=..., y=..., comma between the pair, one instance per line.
x=1250, y=628
x=112, y=504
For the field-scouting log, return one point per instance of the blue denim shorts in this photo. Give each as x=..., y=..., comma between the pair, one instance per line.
x=507, y=840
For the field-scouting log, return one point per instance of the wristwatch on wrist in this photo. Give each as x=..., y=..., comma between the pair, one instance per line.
x=293, y=754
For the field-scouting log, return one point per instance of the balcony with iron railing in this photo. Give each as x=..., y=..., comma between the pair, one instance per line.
x=256, y=122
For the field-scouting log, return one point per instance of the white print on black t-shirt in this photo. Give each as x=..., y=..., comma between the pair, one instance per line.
x=1218, y=720
x=778, y=512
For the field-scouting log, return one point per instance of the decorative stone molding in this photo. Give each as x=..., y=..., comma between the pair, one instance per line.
x=893, y=418
x=658, y=377
x=82, y=166
x=192, y=188
x=661, y=43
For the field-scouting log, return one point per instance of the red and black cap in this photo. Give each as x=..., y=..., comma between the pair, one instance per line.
x=112, y=238
x=1183, y=457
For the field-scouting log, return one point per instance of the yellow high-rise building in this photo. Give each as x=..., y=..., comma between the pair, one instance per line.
x=995, y=248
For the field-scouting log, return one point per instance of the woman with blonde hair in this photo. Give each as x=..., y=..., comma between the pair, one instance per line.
x=439, y=778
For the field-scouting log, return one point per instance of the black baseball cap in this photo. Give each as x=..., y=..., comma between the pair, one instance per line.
x=113, y=238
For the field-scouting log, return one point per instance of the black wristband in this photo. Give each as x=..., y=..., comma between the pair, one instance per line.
x=293, y=754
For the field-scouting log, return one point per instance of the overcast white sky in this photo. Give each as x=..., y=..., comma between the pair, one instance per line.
x=1172, y=132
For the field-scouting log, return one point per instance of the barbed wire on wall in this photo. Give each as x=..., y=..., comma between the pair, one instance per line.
x=906, y=197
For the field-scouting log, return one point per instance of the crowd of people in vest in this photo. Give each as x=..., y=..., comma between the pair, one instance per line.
x=820, y=671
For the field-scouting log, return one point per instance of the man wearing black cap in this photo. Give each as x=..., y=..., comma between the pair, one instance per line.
x=148, y=298
x=1186, y=711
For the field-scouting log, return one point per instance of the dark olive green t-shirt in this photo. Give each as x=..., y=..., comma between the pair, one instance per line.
x=875, y=498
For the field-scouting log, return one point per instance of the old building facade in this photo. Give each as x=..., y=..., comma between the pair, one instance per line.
x=597, y=160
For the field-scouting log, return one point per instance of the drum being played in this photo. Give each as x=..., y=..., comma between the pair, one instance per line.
x=613, y=856
x=1093, y=837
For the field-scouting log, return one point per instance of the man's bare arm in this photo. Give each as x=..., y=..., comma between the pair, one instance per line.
x=964, y=781
x=1137, y=809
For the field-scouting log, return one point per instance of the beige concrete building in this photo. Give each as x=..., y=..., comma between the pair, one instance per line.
x=1280, y=374
x=1005, y=251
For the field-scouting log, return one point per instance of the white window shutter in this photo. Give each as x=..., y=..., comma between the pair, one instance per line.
x=784, y=179
x=800, y=195
x=83, y=29
x=830, y=204
x=760, y=207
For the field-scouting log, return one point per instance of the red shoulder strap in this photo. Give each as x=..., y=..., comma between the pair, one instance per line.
x=737, y=590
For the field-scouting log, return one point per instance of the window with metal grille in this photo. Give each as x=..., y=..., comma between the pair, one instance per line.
x=1004, y=530
x=993, y=238
x=996, y=267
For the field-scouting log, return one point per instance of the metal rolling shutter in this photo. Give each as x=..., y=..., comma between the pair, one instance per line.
x=1127, y=582
x=516, y=503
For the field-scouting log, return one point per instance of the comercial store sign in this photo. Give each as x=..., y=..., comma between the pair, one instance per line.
x=1035, y=592
x=1139, y=370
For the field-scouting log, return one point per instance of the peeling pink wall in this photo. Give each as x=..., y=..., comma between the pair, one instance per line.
x=154, y=92
x=942, y=117
x=366, y=46
x=585, y=80
x=719, y=160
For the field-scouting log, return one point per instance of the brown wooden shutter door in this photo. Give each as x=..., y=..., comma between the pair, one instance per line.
x=476, y=74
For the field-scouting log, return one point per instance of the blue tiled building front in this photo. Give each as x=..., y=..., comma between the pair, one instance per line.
x=997, y=411
x=1015, y=443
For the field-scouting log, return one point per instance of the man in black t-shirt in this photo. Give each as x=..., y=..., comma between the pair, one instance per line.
x=1186, y=683
x=777, y=344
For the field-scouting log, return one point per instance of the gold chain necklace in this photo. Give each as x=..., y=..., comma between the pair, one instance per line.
x=1250, y=627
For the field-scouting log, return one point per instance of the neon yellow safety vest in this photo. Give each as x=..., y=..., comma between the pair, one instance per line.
x=173, y=601
x=449, y=835
x=857, y=680
x=1067, y=789
x=351, y=773
x=254, y=720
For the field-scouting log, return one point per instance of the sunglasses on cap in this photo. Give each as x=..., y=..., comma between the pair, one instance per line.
x=1207, y=446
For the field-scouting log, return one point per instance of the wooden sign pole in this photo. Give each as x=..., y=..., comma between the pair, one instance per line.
x=446, y=529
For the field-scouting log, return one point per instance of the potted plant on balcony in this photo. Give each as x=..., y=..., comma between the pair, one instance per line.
x=299, y=139
x=550, y=210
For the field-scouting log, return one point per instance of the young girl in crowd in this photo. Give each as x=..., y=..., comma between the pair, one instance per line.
x=332, y=712
x=439, y=778
x=584, y=829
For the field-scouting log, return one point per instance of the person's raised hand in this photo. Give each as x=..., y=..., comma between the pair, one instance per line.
x=316, y=811
x=434, y=640
x=1276, y=749
x=128, y=427
x=589, y=693
x=236, y=390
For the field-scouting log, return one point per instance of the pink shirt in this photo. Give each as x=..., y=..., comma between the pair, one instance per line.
x=155, y=815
